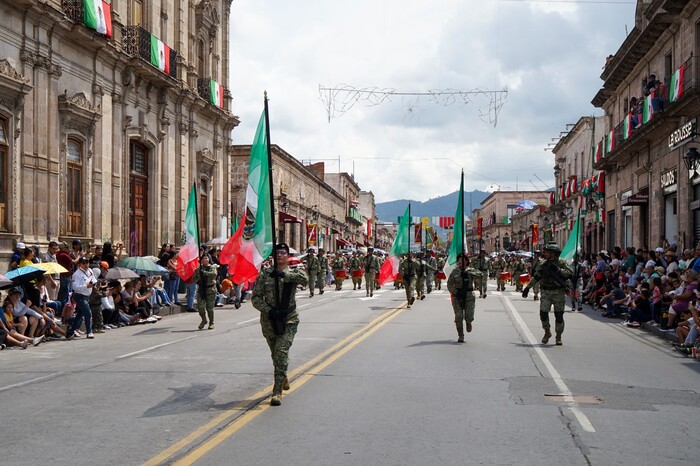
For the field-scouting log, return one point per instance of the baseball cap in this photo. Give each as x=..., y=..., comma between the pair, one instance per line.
x=104, y=265
x=21, y=246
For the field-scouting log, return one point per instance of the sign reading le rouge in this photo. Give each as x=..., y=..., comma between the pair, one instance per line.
x=679, y=136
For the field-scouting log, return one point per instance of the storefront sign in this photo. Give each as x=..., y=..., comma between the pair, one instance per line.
x=639, y=198
x=682, y=134
x=668, y=180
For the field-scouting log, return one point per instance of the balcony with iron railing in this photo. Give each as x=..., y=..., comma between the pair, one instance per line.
x=211, y=91
x=137, y=42
x=666, y=110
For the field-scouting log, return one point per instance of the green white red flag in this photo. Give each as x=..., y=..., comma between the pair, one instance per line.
x=97, y=15
x=457, y=246
x=216, y=93
x=246, y=250
x=188, y=257
x=627, y=126
x=610, y=141
x=390, y=267
x=677, y=83
x=160, y=55
x=648, y=109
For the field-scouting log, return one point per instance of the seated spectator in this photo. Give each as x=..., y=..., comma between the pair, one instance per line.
x=682, y=301
x=141, y=298
x=226, y=289
x=692, y=338
x=12, y=336
x=640, y=310
x=615, y=301
x=35, y=320
x=671, y=261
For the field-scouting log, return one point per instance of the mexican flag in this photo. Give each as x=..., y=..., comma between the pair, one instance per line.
x=457, y=246
x=188, y=258
x=390, y=267
x=216, y=94
x=598, y=156
x=97, y=15
x=160, y=55
x=677, y=83
x=627, y=126
x=648, y=110
x=253, y=239
x=610, y=141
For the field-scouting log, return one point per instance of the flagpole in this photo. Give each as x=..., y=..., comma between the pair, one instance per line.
x=574, y=297
x=461, y=214
x=272, y=202
x=196, y=217
x=410, y=223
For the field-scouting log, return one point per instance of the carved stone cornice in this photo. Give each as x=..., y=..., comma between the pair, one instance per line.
x=79, y=107
x=13, y=89
x=206, y=162
x=38, y=60
x=9, y=73
x=207, y=18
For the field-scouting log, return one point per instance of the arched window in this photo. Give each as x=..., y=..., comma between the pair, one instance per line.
x=4, y=151
x=74, y=187
x=137, y=13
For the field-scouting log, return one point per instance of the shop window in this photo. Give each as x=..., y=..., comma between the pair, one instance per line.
x=74, y=187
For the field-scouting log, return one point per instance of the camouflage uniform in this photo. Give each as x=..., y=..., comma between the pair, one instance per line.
x=371, y=266
x=553, y=292
x=408, y=270
x=432, y=269
x=205, y=278
x=313, y=269
x=338, y=266
x=420, y=277
x=264, y=301
x=497, y=265
x=482, y=265
x=355, y=266
x=322, y=271
x=463, y=282
x=518, y=269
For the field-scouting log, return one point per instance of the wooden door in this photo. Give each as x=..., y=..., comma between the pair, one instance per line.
x=138, y=213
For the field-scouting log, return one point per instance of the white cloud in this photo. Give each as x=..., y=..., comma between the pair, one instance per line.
x=548, y=56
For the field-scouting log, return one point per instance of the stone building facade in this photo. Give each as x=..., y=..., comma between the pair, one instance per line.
x=496, y=213
x=652, y=193
x=101, y=138
x=579, y=189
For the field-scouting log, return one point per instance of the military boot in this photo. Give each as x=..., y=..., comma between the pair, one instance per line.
x=547, y=333
x=285, y=384
x=276, y=400
x=536, y=297
x=460, y=332
x=559, y=329
x=204, y=320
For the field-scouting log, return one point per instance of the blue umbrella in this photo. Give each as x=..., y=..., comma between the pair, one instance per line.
x=526, y=204
x=24, y=273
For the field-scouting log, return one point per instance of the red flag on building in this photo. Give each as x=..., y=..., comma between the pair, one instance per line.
x=418, y=239
x=479, y=226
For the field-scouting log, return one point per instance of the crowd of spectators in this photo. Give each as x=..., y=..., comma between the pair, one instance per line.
x=658, y=287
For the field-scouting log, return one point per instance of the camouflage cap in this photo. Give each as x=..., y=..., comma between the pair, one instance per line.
x=553, y=248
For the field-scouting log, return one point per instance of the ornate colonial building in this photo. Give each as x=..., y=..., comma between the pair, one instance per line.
x=107, y=118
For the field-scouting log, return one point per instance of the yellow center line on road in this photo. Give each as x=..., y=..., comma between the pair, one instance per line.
x=249, y=409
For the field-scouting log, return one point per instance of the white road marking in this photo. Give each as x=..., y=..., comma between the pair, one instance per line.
x=561, y=385
x=28, y=382
x=156, y=347
x=252, y=320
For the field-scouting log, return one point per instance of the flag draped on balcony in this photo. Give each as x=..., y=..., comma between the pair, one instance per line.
x=610, y=141
x=648, y=109
x=97, y=15
x=627, y=126
x=216, y=94
x=677, y=83
x=390, y=267
x=160, y=55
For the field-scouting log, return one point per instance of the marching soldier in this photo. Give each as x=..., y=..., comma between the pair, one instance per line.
x=323, y=270
x=205, y=278
x=420, y=276
x=518, y=269
x=552, y=275
x=356, y=271
x=498, y=265
x=371, y=266
x=339, y=273
x=461, y=284
x=432, y=270
x=482, y=265
x=408, y=270
x=313, y=269
x=274, y=296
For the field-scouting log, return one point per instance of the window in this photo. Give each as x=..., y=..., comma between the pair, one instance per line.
x=137, y=13
x=138, y=160
x=74, y=158
x=200, y=59
x=4, y=150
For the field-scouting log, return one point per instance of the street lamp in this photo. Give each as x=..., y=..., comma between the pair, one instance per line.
x=692, y=158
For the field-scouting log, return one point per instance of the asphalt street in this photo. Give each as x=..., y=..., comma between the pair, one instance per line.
x=373, y=383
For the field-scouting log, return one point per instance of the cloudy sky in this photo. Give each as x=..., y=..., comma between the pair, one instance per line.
x=547, y=54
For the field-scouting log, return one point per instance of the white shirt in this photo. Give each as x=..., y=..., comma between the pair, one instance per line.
x=81, y=278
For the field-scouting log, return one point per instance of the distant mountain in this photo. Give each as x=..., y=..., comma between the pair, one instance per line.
x=444, y=206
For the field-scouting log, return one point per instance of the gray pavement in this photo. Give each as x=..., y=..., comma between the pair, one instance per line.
x=403, y=392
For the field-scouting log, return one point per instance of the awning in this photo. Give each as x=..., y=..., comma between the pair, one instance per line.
x=286, y=218
x=639, y=198
x=343, y=243
x=335, y=231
